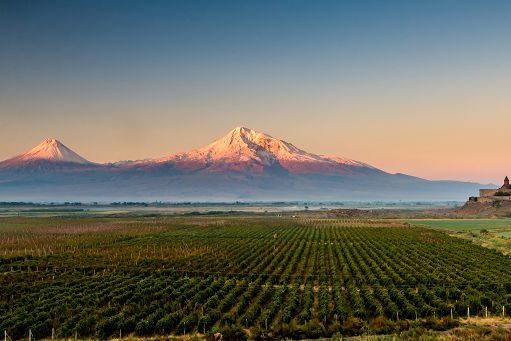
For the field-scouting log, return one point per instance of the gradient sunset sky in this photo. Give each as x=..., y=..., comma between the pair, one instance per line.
x=418, y=87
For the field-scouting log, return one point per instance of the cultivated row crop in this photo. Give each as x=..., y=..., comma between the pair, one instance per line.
x=105, y=277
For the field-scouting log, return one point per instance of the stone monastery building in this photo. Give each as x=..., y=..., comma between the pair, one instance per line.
x=490, y=195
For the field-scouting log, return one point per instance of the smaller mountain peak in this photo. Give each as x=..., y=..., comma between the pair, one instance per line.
x=52, y=149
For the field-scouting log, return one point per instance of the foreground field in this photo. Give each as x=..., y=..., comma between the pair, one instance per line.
x=465, y=224
x=241, y=277
x=490, y=233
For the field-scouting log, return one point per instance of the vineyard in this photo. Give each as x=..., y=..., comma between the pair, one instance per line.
x=286, y=277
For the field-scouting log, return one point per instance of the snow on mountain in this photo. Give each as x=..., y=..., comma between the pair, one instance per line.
x=50, y=150
x=346, y=161
x=244, y=149
x=242, y=165
x=240, y=150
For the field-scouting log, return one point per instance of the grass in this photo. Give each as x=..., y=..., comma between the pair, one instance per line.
x=490, y=233
x=463, y=224
x=505, y=234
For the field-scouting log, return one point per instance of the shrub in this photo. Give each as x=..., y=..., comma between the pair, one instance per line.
x=144, y=327
x=440, y=324
x=107, y=327
x=502, y=194
x=230, y=333
x=382, y=325
x=352, y=326
x=312, y=330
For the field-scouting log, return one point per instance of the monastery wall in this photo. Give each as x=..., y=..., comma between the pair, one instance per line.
x=487, y=192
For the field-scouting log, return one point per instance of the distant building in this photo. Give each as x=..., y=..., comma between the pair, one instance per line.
x=490, y=195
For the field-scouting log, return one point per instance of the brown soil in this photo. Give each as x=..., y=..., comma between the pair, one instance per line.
x=487, y=210
x=469, y=210
x=390, y=213
x=350, y=213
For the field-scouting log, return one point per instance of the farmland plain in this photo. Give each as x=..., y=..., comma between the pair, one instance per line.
x=241, y=276
x=494, y=233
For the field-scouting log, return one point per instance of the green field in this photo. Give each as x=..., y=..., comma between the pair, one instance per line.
x=242, y=276
x=463, y=224
x=506, y=234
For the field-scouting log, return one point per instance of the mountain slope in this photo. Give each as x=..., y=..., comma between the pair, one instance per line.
x=48, y=152
x=242, y=165
x=246, y=150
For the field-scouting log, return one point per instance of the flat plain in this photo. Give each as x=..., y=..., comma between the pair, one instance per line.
x=465, y=224
x=241, y=276
x=493, y=233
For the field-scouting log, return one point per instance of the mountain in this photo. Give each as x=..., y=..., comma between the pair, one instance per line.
x=242, y=165
x=246, y=150
x=47, y=154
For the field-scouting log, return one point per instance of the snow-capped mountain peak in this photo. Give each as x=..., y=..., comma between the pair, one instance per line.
x=242, y=165
x=246, y=149
x=240, y=150
x=53, y=150
x=244, y=144
x=48, y=150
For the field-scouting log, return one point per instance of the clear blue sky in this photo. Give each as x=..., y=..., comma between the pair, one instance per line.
x=134, y=79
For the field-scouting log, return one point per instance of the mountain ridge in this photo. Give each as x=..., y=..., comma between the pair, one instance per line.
x=244, y=149
x=242, y=165
x=241, y=149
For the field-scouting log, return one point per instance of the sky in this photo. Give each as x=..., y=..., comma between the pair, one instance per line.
x=416, y=87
